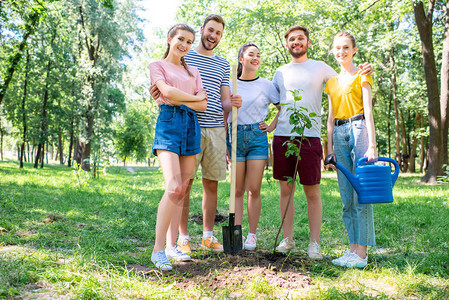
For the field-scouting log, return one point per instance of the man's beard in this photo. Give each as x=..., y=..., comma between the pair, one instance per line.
x=203, y=38
x=298, y=54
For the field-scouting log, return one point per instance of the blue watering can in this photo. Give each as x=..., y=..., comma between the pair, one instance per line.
x=373, y=183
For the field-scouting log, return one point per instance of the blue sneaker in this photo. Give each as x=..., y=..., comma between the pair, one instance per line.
x=341, y=261
x=356, y=261
x=161, y=261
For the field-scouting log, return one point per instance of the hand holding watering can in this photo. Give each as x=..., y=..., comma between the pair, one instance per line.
x=373, y=183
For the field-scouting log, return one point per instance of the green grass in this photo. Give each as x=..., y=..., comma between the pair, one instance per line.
x=108, y=223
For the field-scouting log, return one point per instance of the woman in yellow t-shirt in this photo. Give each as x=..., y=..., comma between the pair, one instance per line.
x=351, y=136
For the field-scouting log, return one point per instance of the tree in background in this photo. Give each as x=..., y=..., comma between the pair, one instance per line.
x=424, y=22
x=30, y=14
x=106, y=33
x=134, y=133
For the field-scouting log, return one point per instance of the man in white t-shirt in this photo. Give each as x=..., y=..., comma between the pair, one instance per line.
x=309, y=76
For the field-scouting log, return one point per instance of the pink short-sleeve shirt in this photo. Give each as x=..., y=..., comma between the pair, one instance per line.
x=176, y=76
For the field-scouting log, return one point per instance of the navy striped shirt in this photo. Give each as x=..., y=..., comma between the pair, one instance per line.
x=214, y=71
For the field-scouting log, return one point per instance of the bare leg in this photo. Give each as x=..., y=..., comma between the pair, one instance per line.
x=183, y=225
x=171, y=202
x=314, y=210
x=209, y=203
x=287, y=227
x=253, y=184
x=361, y=251
x=186, y=163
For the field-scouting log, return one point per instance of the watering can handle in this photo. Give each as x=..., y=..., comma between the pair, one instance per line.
x=330, y=159
x=394, y=176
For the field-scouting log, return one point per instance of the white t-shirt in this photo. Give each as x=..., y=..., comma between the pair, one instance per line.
x=309, y=76
x=256, y=95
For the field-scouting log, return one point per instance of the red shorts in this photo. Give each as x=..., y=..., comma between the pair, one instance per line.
x=309, y=167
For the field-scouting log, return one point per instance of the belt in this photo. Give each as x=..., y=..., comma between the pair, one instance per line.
x=353, y=118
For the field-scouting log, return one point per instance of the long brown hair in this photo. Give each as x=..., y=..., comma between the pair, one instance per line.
x=241, y=52
x=171, y=33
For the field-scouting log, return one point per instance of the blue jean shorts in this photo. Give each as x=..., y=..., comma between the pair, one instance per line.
x=177, y=130
x=252, y=143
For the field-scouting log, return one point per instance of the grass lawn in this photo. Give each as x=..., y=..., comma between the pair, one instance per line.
x=92, y=239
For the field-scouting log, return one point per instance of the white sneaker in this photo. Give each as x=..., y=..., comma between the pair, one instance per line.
x=341, y=261
x=356, y=261
x=314, y=250
x=250, y=243
x=174, y=253
x=160, y=260
x=286, y=245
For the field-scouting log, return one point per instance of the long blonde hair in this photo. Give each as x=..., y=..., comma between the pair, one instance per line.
x=171, y=33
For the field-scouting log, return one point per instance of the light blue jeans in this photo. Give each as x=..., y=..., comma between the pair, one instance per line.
x=350, y=144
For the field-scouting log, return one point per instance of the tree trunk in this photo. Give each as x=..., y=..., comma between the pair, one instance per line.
x=60, y=147
x=413, y=155
x=396, y=109
x=43, y=134
x=424, y=23
x=29, y=157
x=69, y=158
x=24, y=118
x=93, y=48
x=78, y=151
x=445, y=88
x=46, y=156
x=38, y=155
x=86, y=145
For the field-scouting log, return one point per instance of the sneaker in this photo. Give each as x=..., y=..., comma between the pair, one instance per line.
x=184, y=245
x=250, y=243
x=174, y=253
x=286, y=245
x=211, y=243
x=356, y=261
x=341, y=261
x=314, y=250
x=160, y=261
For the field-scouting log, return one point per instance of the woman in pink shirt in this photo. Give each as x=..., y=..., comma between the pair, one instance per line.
x=177, y=136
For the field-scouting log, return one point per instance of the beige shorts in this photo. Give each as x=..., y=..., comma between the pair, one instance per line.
x=213, y=154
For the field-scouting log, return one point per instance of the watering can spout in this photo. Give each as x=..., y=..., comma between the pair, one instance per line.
x=330, y=159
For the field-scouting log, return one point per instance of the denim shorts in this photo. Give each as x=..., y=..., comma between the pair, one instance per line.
x=252, y=143
x=177, y=130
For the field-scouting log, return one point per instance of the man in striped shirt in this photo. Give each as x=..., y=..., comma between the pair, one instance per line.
x=215, y=71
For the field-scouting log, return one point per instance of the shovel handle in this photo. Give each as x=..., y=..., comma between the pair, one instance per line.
x=233, y=143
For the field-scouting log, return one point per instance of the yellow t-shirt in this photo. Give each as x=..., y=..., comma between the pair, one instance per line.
x=346, y=99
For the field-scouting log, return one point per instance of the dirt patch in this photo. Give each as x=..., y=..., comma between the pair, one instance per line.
x=220, y=271
x=199, y=218
x=50, y=218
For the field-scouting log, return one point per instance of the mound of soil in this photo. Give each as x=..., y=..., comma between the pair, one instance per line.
x=219, y=271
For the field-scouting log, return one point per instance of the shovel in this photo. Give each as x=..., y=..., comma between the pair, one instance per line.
x=232, y=234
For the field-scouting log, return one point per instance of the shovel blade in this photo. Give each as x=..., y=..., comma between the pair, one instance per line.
x=232, y=237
